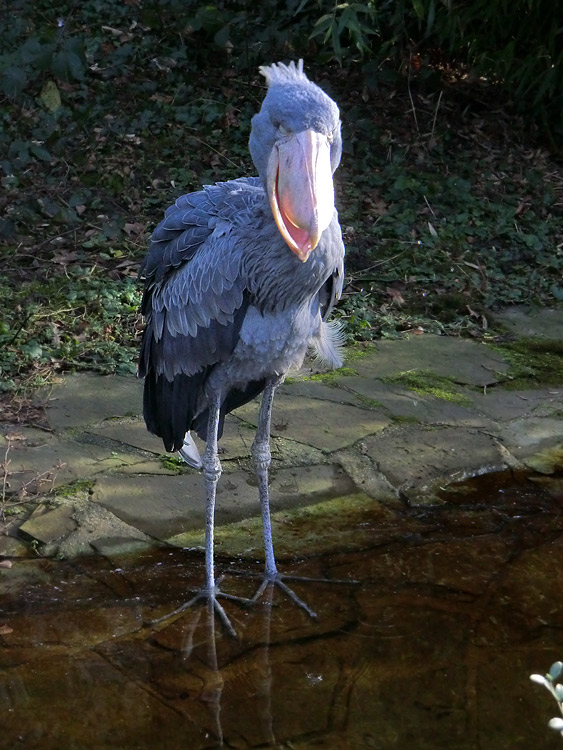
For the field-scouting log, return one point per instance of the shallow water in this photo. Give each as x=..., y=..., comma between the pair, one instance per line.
x=456, y=606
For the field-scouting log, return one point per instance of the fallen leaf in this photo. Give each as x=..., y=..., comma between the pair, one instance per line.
x=6, y=630
x=134, y=228
x=396, y=296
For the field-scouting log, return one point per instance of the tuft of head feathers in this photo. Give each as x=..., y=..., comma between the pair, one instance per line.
x=281, y=73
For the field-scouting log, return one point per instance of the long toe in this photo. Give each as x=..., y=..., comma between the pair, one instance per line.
x=276, y=579
x=207, y=595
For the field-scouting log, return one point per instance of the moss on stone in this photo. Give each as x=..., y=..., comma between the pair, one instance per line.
x=428, y=383
x=74, y=488
x=172, y=463
x=358, y=350
x=532, y=362
x=371, y=403
x=330, y=377
x=405, y=419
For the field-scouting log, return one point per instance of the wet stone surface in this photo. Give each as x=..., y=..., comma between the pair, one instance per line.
x=440, y=509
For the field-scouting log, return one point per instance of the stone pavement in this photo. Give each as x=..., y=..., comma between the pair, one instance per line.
x=400, y=421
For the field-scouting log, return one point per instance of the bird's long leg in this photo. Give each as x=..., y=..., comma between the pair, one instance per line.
x=262, y=456
x=211, y=474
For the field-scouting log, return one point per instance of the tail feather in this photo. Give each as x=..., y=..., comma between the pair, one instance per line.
x=169, y=406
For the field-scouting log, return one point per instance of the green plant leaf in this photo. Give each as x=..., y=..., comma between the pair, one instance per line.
x=50, y=96
x=67, y=66
x=418, y=7
x=39, y=152
x=13, y=81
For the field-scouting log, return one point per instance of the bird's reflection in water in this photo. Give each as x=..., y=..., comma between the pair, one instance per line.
x=200, y=643
x=213, y=683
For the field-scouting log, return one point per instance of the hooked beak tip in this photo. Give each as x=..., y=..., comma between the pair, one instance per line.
x=303, y=253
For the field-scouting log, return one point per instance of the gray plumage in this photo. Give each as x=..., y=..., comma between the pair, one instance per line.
x=229, y=303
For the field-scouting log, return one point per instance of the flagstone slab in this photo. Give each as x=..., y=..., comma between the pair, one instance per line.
x=235, y=443
x=305, y=531
x=414, y=461
x=117, y=546
x=548, y=461
x=98, y=529
x=402, y=403
x=82, y=399
x=12, y=547
x=132, y=432
x=318, y=390
x=521, y=435
x=165, y=506
x=389, y=441
x=294, y=453
x=59, y=461
x=543, y=323
x=467, y=362
x=365, y=474
x=503, y=405
x=154, y=466
x=47, y=524
x=326, y=426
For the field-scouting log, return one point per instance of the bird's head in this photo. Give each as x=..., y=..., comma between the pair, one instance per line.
x=296, y=146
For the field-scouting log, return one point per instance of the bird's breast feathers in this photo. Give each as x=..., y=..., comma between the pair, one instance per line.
x=218, y=263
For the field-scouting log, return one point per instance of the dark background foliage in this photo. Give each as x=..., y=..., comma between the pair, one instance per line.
x=450, y=191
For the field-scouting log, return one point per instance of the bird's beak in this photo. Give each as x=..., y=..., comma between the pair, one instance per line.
x=300, y=189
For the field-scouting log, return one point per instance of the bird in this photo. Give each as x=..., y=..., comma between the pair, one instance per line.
x=239, y=281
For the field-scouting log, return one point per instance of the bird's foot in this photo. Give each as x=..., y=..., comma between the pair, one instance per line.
x=211, y=596
x=276, y=579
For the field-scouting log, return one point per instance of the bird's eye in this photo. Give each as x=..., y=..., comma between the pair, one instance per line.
x=282, y=130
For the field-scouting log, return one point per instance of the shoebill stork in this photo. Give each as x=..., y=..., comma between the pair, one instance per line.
x=240, y=278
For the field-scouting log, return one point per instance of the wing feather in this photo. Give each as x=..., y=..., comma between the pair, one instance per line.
x=194, y=303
